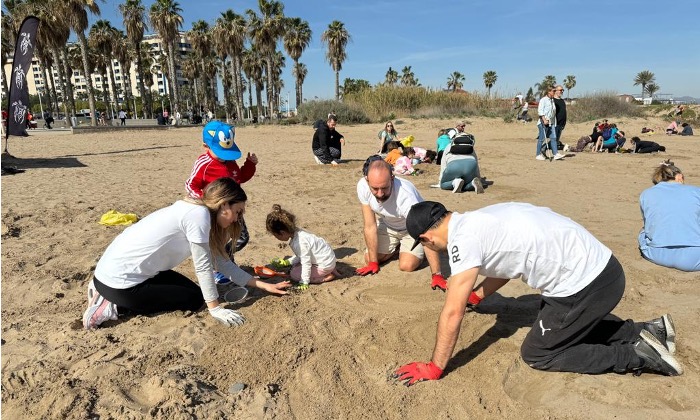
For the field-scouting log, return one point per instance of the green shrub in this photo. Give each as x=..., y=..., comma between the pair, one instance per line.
x=347, y=113
x=599, y=106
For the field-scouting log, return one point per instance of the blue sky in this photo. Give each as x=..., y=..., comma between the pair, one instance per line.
x=603, y=43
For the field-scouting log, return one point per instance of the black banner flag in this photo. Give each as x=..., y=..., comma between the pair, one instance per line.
x=18, y=105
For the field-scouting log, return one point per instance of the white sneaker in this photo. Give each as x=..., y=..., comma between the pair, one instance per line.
x=99, y=309
x=435, y=186
x=559, y=156
x=540, y=157
x=457, y=185
x=478, y=186
x=567, y=147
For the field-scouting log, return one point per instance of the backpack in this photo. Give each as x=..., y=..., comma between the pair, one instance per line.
x=462, y=144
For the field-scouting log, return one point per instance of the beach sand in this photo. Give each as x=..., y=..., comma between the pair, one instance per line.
x=328, y=352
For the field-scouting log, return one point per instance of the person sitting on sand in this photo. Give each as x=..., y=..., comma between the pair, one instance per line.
x=641, y=146
x=672, y=128
x=313, y=261
x=459, y=169
x=135, y=273
x=671, y=214
x=327, y=142
x=580, y=281
x=442, y=141
x=386, y=136
x=687, y=130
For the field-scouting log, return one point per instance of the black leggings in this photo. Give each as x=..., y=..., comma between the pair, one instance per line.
x=167, y=291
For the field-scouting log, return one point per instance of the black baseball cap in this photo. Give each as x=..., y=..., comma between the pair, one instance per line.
x=422, y=217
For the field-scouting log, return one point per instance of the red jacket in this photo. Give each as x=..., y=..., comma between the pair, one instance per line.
x=208, y=168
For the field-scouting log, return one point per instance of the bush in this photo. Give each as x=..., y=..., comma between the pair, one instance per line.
x=599, y=106
x=386, y=102
x=347, y=113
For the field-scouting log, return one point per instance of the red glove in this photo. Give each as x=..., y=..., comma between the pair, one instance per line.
x=438, y=282
x=415, y=372
x=473, y=300
x=370, y=268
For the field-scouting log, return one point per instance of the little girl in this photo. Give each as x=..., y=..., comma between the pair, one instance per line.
x=313, y=260
x=404, y=165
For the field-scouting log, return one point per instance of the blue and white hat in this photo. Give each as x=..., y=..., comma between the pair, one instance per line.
x=219, y=137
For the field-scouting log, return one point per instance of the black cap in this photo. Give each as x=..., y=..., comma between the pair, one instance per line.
x=422, y=217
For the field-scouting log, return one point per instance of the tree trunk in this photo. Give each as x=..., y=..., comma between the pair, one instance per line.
x=250, y=96
x=113, y=88
x=297, y=84
x=258, y=99
x=337, y=85
x=88, y=76
x=174, y=105
x=66, y=85
x=139, y=69
x=268, y=88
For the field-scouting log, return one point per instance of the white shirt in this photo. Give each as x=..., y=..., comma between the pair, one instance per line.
x=161, y=241
x=547, y=109
x=551, y=252
x=310, y=250
x=394, y=210
x=122, y=114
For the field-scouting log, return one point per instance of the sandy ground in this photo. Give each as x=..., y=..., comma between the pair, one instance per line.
x=330, y=351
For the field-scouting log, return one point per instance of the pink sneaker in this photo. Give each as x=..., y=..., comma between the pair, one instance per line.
x=99, y=309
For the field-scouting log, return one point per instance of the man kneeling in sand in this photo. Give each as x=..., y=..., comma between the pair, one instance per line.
x=580, y=279
x=386, y=201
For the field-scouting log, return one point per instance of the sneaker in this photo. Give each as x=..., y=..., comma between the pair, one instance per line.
x=478, y=187
x=99, y=309
x=559, y=156
x=567, y=147
x=318, y=160
x=654, y=356
x=664, y=331
x=457, y=185
x=540, y=157
x=435, y=186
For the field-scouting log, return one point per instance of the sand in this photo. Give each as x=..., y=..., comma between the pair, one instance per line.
x=329, y=352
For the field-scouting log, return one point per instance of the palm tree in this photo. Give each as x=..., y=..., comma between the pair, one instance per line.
x=229, y=35
x=102, y=39
x=408, y=78
x=296, y=38
x=265, y=30
x=253, y=63
x=200, y=37
x=644, y=78
x=75, y=12
x=455, y=81
x=652, y=88
x=490, y=78
x=136, y=23
x=299, y=72
x=167, y=21
x=569, y=83
x=336, y=38
x=123, y=54
x=547, y=83
x=392, y=76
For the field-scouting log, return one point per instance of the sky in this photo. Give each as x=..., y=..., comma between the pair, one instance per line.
x=603, y=43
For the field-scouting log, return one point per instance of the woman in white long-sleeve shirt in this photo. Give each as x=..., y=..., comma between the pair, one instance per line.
x=313, y=261
x=135, y=273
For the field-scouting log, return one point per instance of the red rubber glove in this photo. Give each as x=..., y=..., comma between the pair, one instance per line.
x=438, y=282
x=473, y=300
x=370, y=268
x=415, y=372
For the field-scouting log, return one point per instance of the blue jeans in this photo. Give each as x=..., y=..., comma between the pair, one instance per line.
x=550, y=132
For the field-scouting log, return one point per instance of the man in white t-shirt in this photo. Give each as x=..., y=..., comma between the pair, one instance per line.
x=580, y=280
x=386, y=201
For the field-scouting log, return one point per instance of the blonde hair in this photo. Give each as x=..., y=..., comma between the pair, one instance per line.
x=666, y=171
x=280, y=220
x=222, y=191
